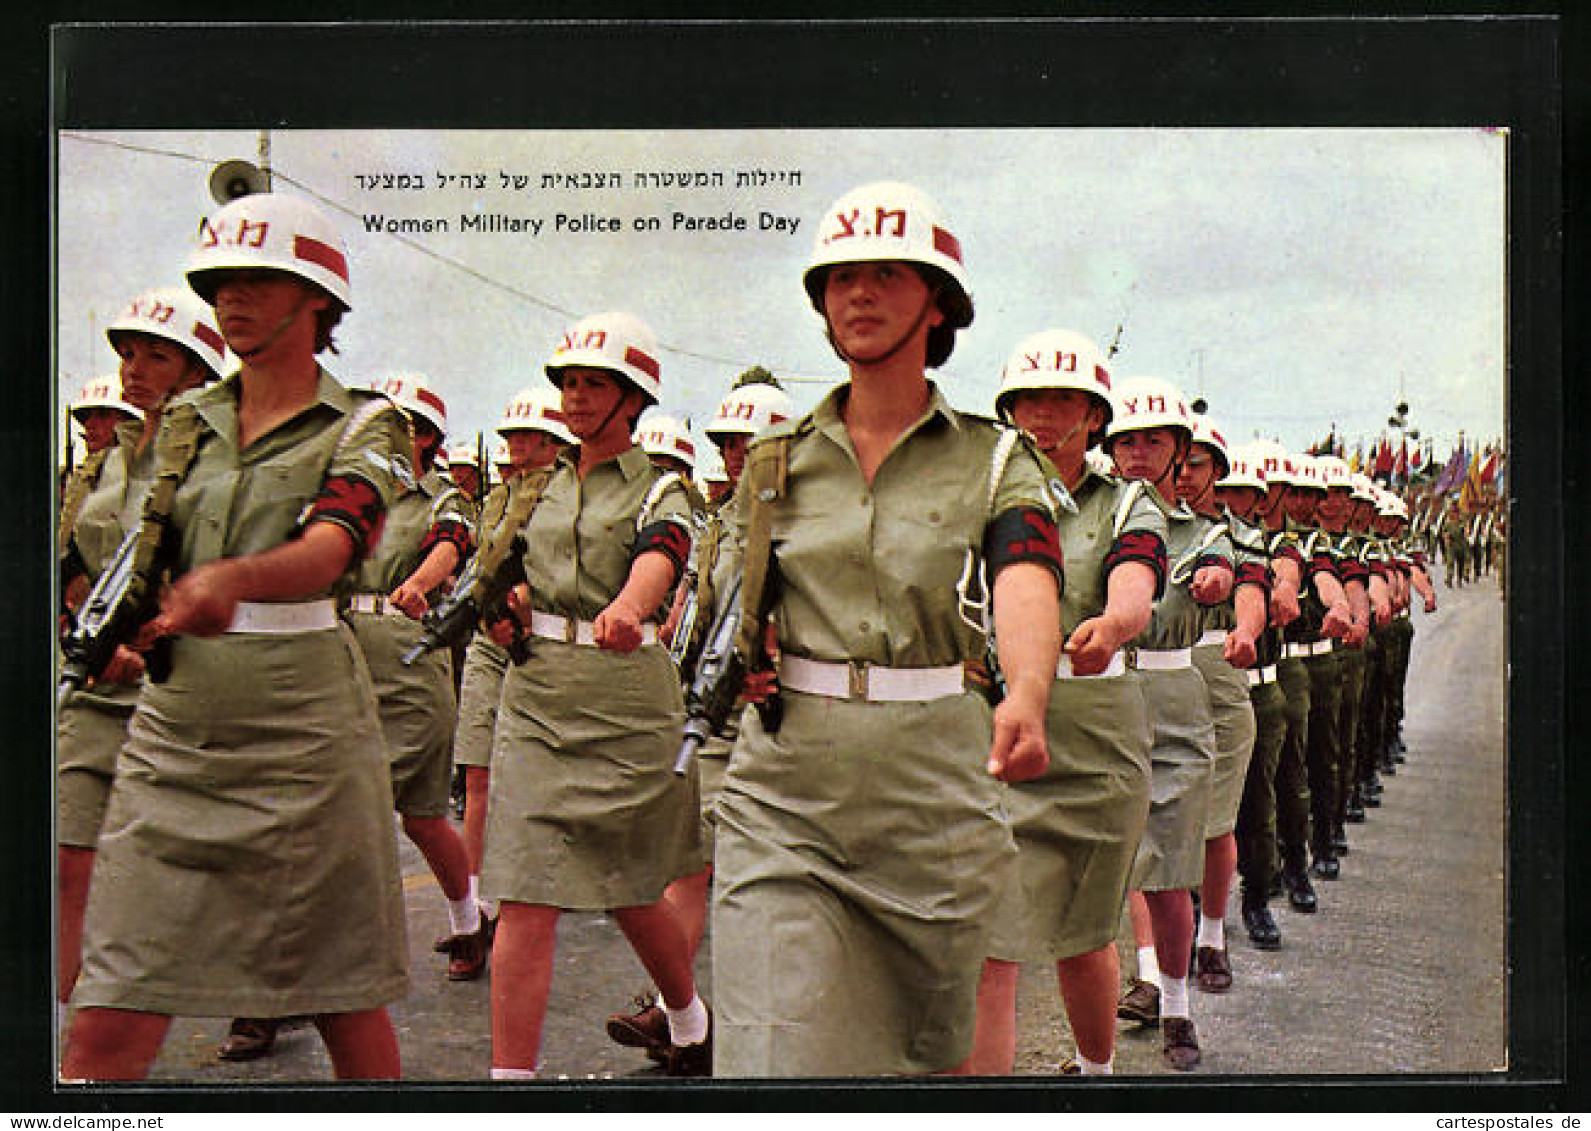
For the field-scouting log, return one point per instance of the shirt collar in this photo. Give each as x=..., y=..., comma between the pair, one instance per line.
x=826, y=416
x=632, y=462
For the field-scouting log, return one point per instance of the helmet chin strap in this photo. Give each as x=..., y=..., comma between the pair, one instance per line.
x=922, y=316
x=281, y=328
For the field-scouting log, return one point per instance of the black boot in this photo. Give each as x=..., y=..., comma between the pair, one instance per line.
x=1354, y=811
x=1325, y=866
x=1261, y=924
x=1339, y=841
x=1300, y=892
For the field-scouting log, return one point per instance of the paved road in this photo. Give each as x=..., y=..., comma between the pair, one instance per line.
x=1401, y=971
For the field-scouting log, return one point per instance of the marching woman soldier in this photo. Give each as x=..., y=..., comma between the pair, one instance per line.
x=585, y=811
x=1225, y=652
x=425, y=539
x=1077, y=827
x=247, y=866
x=465, y=472
x=1241, y=492
x=862, y=840
x=98, y=410
x=1149, y=436
x=1301, y=783
x=747, y=410
x=534, y=432
x=168, y=343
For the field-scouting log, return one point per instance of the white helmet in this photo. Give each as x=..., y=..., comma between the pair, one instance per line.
x=536, y=409
x=888, y=220
x=1306, y=472
x=459, y=454
x=615, y=341
x=1364, y=488
x=411, y=395
x=270, y=230
x=1246, y=470
x=1334, y=473
x=1270, y=460
x=1206, y=432
x=500, y=456
x=103, y=392
x=1054, y=359
x=176, y=314
x=748, y=410
x=1141, y=403
x=662, y=435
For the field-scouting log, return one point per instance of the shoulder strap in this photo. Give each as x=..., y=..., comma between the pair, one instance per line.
x=997, y=461
x=78, y=488
x=767, y=472
x=524, y=493
x=659, y=485
x=1124, y=506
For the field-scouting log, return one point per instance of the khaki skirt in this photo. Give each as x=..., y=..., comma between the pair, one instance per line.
x=860, y=854
x=1077, y=828
x=417, y=710
x=89, y=735
x=585, y=812
x=480, y=690
x=248, y=866
x=1182, y=755
x=1232, y=714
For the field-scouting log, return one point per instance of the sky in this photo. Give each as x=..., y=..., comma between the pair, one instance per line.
x=1297, y=279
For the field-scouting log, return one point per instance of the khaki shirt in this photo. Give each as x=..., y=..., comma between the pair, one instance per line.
x=1311, y=542
x=114, y=505
x=581, y=537
x=1248, y=548
x=1178, y=620
x=1089, y=532
x=234, y=503
x=868, y=572
x=418, y=507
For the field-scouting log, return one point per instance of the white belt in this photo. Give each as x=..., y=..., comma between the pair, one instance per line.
x=375, y=603
x=1163, y=661
x=1117, y=666
x=1257, y=676
x=1212, y=636
x=1318, y=648
x=871, y=682
x=284, y=617
x=550, y=626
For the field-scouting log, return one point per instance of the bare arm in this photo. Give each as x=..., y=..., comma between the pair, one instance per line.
x=1027, y=625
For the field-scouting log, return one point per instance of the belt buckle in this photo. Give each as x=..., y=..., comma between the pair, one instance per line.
x=856, y=679
x=571, y=630
x=1129, y=654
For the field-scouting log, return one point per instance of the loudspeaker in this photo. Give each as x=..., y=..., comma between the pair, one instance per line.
x=232, y=179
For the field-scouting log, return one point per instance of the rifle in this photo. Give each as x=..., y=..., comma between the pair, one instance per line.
x=715, y=688
x=679, y=645
x=122, y=601
x=483, y=471
x=479, y=595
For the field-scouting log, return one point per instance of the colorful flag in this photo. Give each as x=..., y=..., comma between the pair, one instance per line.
x=1400, y=468
x=1456, y=466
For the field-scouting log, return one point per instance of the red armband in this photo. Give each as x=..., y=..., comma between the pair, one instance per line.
x=1142, y=546
x=1023, y=534
x=1321, y=563
x=669, y=537
x=1256, y=574
x=354, y=504
x=449, y=530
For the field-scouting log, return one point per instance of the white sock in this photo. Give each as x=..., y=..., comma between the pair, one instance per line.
x=1148, y=968
x=1090, y=1068
x=464, y=915
x=513, y=1073
x=488, y=906
x=1212, y=932
x=1173, y=997
x=687, y=1026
